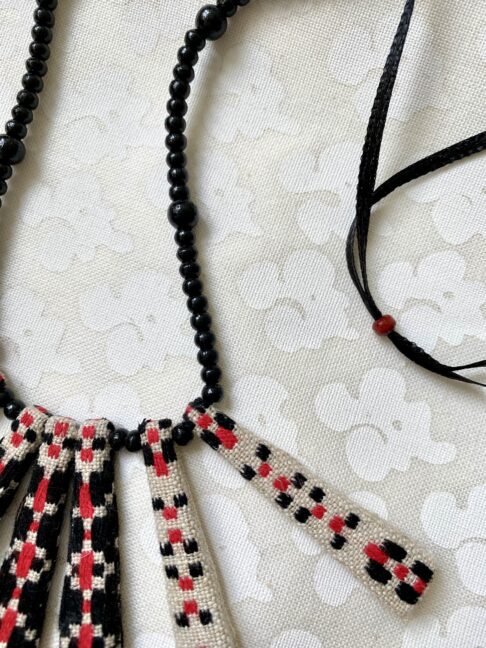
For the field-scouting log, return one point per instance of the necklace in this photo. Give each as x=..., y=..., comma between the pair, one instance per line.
x=387, y=562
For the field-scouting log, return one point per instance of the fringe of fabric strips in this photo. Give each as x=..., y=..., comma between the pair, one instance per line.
x=200, y=619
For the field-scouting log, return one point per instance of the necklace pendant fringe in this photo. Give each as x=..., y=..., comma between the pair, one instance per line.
x=382, y=558
x=200, y=618
x=26, y=572
x=90, y=607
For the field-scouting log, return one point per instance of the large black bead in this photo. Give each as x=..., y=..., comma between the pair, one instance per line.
x=133, y=441
x=32, y=82
x=6, y=396
x=182, y=214
x=22, y=114
x=197, y=304
x=211, y=21
x=44, y=17
x=13, y=409
x=175, y=124
x=192, y=287
x=187, y=254
x=207, y=357
x=201, y=321
x=175, y=158
x=40, y=51
x=41, y=34
x=211, y=375
x=183, y=433
x=16, y=129
x=176, y=107
x=212, y=394
x=28, y=99
x=12, y=151
x=34, y=66
x=204, y=339
x=118, y=438
x=175, y=141
x=190, y=270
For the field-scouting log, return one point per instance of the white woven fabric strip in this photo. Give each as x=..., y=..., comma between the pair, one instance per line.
x=200, y=618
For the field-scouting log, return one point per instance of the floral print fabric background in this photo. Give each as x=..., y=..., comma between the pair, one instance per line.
x=92, y=320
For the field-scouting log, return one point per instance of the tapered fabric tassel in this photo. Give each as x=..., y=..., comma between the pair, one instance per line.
x=27, y=570
x=90, y=608
x=17, y=451
x=200, y=618
x=388, y=563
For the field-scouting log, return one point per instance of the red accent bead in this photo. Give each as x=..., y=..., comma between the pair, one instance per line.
x=384, y=325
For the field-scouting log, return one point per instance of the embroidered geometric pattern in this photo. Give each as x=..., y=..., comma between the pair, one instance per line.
x=90, y=608
x=199, y=617
x=27, y=570
x=17, y=451
x=379, y=556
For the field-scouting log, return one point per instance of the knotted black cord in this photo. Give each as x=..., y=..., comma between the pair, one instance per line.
x=367, y=196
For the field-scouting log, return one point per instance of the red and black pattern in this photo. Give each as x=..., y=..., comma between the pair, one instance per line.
x=90, y=608
x=27, y=570
x=200, y=619
x=388, y=563
x=17, y=451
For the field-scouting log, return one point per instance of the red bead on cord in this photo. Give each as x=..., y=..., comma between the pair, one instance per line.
x=384, y=325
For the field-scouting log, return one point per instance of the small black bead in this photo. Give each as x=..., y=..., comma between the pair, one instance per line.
x=184, y=237
x=187, y=254
x=32, y=82
x=44, y=17
x=176, y=158
x=13, y=409
x=182, y=214
x=34, y=66
x=3, y=187
x=211, y=375
x=175, y=141
x=41, y=34
x=190, y=270
x=5, y=171
x=192, y=287
x=12, y=151
x=28, y=99
x=40, y=51
x=204, y=339
x=201, y=321
x=197, y=304
x=179, y=192
x=228, y=7
x=183, y=433
x=184, y=72
x=212, y=394
x=211, y=21
x=176, y=107
x=179, y=89
x=22, y=114
x=6, y=396
x=195, y=40
x=175, y=124
x=133, y=441
x=207, y=357
x=187, y=56
x=177, y=176
x=47, y=4
x=16, y=129
x=243, y=3
x=117, y=438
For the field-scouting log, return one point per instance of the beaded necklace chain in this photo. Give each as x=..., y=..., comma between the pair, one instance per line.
x=386, y=561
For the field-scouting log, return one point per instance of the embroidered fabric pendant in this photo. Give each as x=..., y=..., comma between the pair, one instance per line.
x=200, y=618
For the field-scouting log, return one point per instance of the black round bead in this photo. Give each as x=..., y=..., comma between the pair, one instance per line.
x=183, y=433
x=184, y=237
x=133, y=441
x=176, y=107
x=32, y=82
x=47, y=4
x=212, y=394
x=3, y=187
x=187, y=55
x=28, y=99
x=13, y=409
x=5, y=171
x=243, y=3
x=176, y=158
x=211, y=375
x=34, y=66
x=12, y=151
x=197, y=304
x=192, y=287
x=179, y=192
x=175, y=124
x=6, y=396
x=207, y=357
x=184, y=73
x=176, y=141
x=179, y=89
x=228, y=7
x=44, y=17
x=22, y=114
x=195, y=40
x=41, y=34
x=201, y=321
x=117, y=438
x=16, y=129
x=187, y=254
x=40, y=51
x=182, y=214
x=211, y=21
x=190, y=270
x=204, y=339
x=178, y=176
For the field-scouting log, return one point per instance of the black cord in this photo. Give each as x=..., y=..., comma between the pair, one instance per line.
x=367, y=196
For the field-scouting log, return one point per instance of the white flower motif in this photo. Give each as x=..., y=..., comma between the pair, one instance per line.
x=452, y=527
x=303, y=307
x=34, y=339
x=226, y=204
x=76, y=221
x=245, y=101
x=385, y=431
x=440, y=279
x=296, y=638
x=458, y=198
x=466, y=628
x=142, y=319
